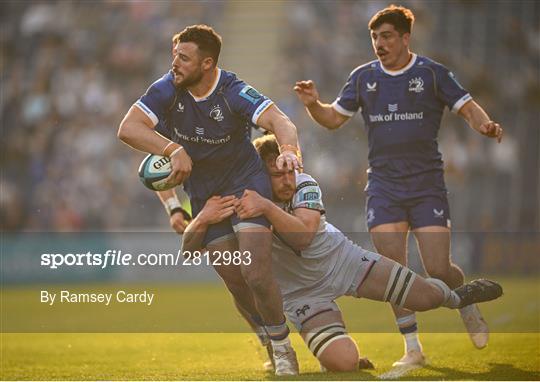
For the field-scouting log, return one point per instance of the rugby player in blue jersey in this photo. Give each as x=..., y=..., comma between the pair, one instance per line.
x=402, y=97
x=200, y=116
x=315, y=264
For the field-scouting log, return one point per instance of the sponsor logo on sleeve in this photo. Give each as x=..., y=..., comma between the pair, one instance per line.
x=306, y=184
x=262, y=107
x=313, y=195
x=250, y=94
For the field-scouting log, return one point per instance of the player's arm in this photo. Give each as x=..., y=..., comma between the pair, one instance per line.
x=451, y=93
x=322, y=113
x=275, y=121
x=178, y=217
x=215, y=210
x=298, y=229
x=137, y=131
x=478, y=119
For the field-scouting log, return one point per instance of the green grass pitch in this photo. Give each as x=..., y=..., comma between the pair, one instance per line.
x=511, y=354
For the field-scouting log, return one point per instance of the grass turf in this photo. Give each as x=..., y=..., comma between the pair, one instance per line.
x=224, y=356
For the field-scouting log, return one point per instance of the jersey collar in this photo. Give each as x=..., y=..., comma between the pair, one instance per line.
x=402, y=70
x=214, y=86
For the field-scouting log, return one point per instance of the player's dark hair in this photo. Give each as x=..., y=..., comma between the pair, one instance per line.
x=204, y=36
x=400, y=17
x=267, y=147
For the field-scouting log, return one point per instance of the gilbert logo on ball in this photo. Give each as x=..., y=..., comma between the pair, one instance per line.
x=153, y=171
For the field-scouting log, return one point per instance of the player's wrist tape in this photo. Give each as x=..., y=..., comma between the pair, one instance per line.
x=184, y=213
x=166, y=147
x=176, y=151
x=171, y=204
x=171, y=149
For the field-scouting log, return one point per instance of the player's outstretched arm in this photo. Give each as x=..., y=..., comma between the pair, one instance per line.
x=322, y=113
x=178, y=217
x=298, y=230
x=478, y=119
x=275, y=121
x=215, y=210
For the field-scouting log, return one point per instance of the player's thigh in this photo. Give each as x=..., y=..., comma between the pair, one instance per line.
x=393, y=282
x=254, y=234
x=390, y=240
x=375, y=283
x=257, y=240
x=216, y=233
x=230, y=273
x=327, y=338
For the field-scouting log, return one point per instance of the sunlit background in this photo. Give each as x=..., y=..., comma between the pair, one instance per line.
x=71, y=70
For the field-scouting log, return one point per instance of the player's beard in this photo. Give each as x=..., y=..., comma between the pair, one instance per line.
x=192, y=79
x=285, y=194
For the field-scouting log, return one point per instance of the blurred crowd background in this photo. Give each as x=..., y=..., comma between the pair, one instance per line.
x=71, y=70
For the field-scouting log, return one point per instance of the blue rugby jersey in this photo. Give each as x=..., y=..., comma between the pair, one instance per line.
x=402, y=111
x=214, y=130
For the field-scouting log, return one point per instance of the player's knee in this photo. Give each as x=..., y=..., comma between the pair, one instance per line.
x=341, y=363
x=236, y=287
x=340, y=356
x=333, y=347
x=431, y=298
x=257, y=282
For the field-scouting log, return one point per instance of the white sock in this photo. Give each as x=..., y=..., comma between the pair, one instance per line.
x=409, y=329
x=283, y=342
x=412, y=342
x=466, y=310
x=451, y=299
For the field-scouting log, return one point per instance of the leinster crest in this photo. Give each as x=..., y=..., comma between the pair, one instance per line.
x=216, y=113
x=416, y=85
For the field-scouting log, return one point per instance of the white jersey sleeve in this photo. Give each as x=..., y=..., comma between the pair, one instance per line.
x=308, y=194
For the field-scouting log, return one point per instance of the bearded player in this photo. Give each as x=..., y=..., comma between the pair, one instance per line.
x=200, y=116
x=314, y=263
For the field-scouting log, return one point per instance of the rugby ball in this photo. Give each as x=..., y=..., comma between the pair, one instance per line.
x=153, y=171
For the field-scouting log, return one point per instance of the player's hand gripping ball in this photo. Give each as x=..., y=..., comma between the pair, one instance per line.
x=153, y=171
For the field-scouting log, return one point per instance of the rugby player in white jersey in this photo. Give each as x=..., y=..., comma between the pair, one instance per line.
x=314, y=263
